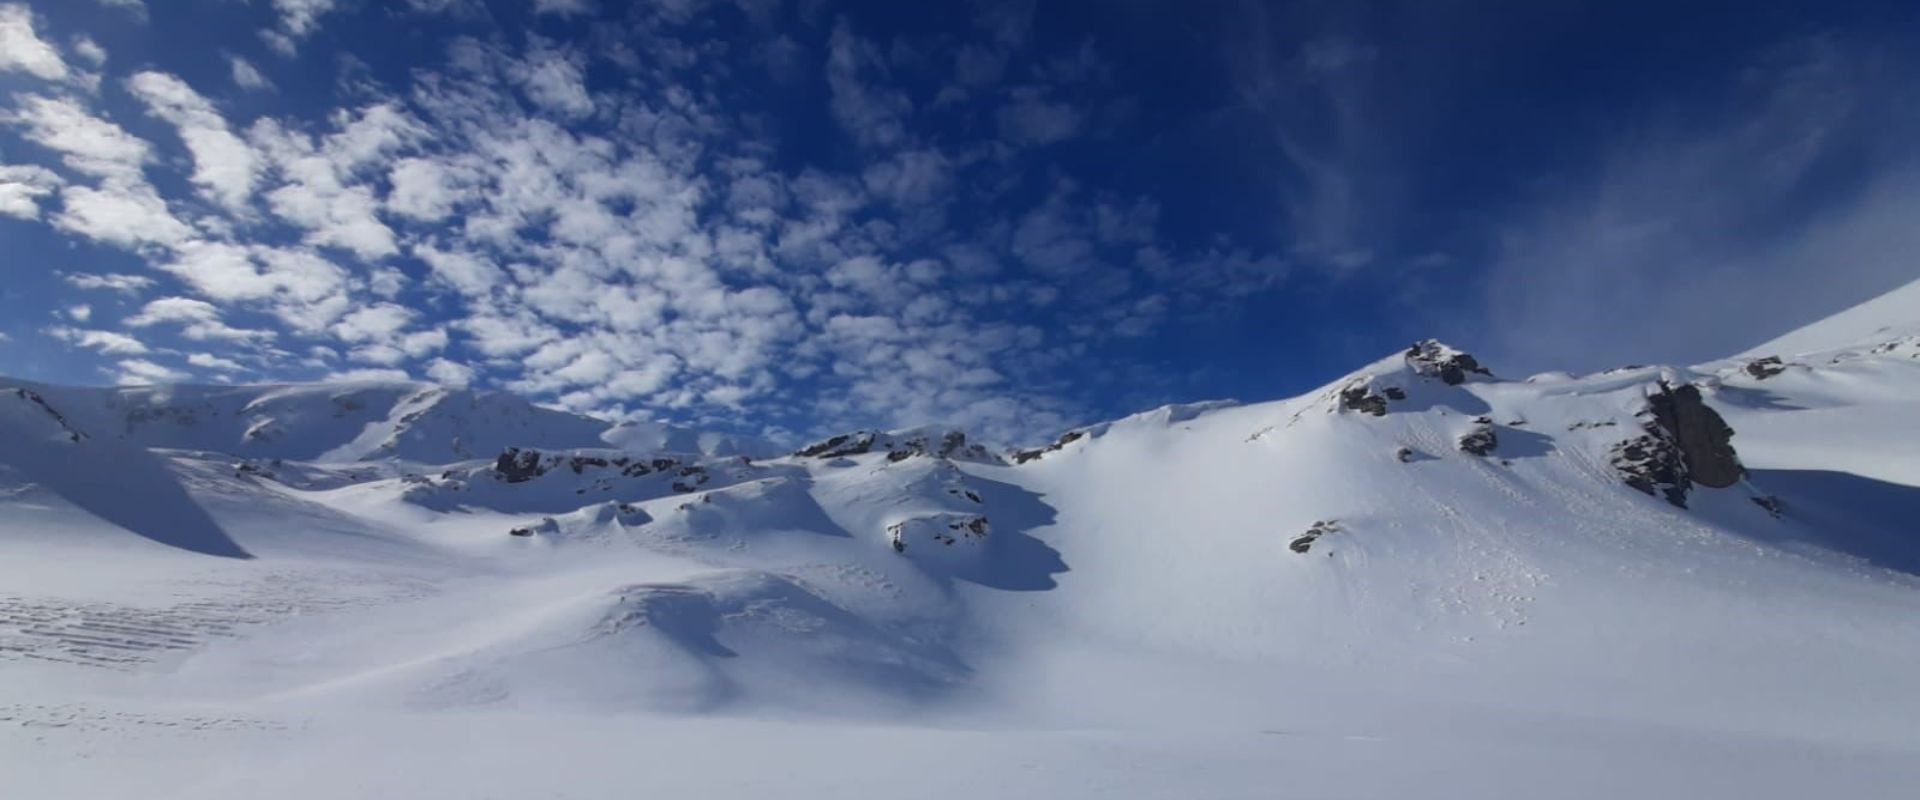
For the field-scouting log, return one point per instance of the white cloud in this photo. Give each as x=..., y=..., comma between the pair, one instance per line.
x=85, y=142
x=451, y=373
x=555, y=80
x=246, y=75
x=224, y=167
x=280, y=43
x=80, y=313
x=425, y=190
x=300, y=17
x=199, y=320
x=377, y=322
x=123, y=215
x=301, y=281
x=137, y=7
x=911, y=177
x=124, y=284
x=463, y=271
x=23, y=50
x=563, y=7
x=22, y=186
x=140, y=372
x=369, y=374
x=872, y=113
x=85, y=47
x=211, y=361
x=1031, y=119
x=106, y=342
x=315, y=196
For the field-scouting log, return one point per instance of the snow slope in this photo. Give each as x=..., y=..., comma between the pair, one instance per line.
x=1881, y=319
x=1423, y=579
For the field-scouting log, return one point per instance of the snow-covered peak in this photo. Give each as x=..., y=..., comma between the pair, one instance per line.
x=1890, y=317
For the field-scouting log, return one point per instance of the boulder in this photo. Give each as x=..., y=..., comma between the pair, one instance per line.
x=1480, y=439
x=1304, y=542
x=1764, y=368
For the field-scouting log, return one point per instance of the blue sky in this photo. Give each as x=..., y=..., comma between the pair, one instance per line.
x=797, y=216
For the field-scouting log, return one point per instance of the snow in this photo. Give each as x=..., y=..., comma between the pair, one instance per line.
x=1875, y=320
x=342, y=591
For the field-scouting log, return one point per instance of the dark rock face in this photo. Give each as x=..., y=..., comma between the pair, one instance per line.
x=1479, y=440
x=1772, y=504
x=1361, y=397
x=1403, y=454
x=1764, y=368
x=1437, y=360
x=1684, y=442
x=1652, y=464
x=846, y=444
x=518, y=466
x=521, y=464
x=1705, y=440
x=949, y=444
x=1304, y=542
x=1024, y=456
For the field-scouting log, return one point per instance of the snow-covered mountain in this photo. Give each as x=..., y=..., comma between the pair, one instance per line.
x=1426, y=578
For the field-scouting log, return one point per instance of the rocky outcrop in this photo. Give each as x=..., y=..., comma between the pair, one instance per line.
x=518, y=466
x=1652, y=464
x=945, y=529
x=1304, y=542
x=1479, y=440
x=522, y=464
x=1683, y=442
x=899, y=446
x=1360, y=397
x=1705, y=440
x=1764, y=368
x=1437, y=360
x=1024, y=456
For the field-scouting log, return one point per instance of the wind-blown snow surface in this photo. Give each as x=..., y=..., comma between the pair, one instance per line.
x=401, y=591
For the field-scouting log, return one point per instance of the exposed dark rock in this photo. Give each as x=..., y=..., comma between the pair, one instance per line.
x=1764, y=368
x=1024, y=456
x=1434, y=359
x=1361, y=397
x=516, y=465
x=252, y=468
x=1705, y=440
x=1772, y=504
x=943, y=529
x=1403, y=454
x=1652, y=464
x=947, y=444
x=1304, y=542
x=1394, y=393
x=520, y=532
x=1479, y=440
x=846, y=444
x=1683, y=442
